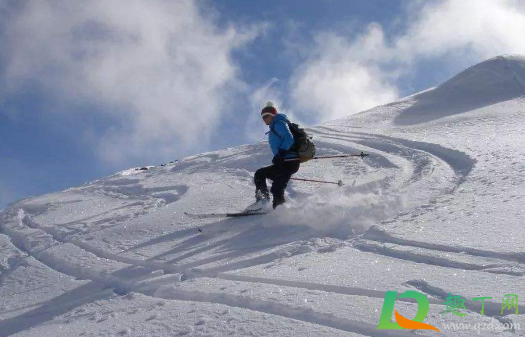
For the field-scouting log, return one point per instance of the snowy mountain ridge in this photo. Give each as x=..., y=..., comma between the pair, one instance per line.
x=437, y=207
x=500, y=70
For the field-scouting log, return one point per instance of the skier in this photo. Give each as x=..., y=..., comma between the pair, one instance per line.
x=280, y=140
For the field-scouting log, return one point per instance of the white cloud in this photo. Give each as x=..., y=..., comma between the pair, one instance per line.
x=161, y=69
x=255, y=127
x=269, y=91
x=479, y=28
x=343, y=76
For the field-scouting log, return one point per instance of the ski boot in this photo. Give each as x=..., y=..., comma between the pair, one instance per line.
x=262, y=202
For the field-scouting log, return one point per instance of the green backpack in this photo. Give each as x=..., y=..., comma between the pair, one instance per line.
x=303, y=144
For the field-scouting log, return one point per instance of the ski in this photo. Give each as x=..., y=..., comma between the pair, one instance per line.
x=224, y=215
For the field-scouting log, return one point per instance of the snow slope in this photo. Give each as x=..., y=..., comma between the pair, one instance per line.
x=437, y=207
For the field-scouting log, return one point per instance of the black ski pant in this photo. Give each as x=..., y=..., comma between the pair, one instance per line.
x=280, y=175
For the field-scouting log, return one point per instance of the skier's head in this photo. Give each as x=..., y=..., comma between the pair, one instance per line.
x=268, y=113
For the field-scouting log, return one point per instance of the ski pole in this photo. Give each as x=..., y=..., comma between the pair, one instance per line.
x=339, y=183
x=362, y=155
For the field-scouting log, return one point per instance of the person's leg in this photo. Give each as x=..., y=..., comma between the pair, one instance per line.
x=283, y=174
x=260, y=177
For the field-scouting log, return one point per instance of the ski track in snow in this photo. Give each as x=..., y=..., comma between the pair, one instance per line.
x=416, y=162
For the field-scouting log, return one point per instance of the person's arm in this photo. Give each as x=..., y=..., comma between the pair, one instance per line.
x=281, y=128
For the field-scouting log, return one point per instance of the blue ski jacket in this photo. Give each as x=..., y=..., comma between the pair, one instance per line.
x=280, y=137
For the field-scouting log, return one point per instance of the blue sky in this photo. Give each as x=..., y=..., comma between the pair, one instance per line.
x=131, y=83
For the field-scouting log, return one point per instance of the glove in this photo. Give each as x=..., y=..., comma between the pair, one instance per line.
x=278, y=159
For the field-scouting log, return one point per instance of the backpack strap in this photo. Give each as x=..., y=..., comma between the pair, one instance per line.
x=293, y=148
x=272, y=129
